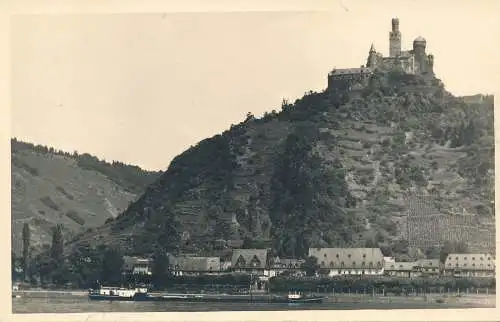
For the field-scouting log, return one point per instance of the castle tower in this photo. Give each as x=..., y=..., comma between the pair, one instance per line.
x=430, y=64
x=372, y=57
x=420, y=57
x=395, y=39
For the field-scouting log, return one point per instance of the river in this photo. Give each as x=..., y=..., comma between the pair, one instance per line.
x=81, y=304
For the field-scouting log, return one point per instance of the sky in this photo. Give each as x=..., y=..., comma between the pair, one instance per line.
x=143, y=87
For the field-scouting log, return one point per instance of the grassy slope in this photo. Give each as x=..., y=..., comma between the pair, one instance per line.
x=50, y=188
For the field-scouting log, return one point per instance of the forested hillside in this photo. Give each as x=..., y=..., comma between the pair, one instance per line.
x=334, y=168
x=52, y=187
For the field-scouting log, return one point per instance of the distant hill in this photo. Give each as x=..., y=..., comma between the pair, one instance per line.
x=79, y=191
x=332, y=169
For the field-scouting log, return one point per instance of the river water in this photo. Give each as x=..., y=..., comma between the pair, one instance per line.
x=81, y=304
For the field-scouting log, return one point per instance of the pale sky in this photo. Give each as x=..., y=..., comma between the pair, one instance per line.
x=142, y=88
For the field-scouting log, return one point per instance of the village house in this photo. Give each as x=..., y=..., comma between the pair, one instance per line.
x=429, y=267
x=279, y=266
x=401, y=269
x=349, y=261
x=194, y=265
x=250, y=261
x=136, y=265
x=470, y=265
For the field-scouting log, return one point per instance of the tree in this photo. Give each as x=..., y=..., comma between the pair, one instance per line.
x=26, y=250
x=13, y=262
x=160, y=269
x=310, y=265
x=450, y=247
x=56, y=249
x=58, y=267
x=111, y=269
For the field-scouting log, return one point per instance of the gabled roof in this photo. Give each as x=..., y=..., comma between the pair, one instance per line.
x=195, y=264
x=472, y=261
x=428, y=263
x=249, y=256
x=359, y=258
x=400, y=266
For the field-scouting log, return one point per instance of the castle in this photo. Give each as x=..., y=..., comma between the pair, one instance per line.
x=411, y=62
x=414, y=61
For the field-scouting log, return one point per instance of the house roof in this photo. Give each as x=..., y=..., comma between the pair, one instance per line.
x=258, y=256
x=428, y=263
x=400, y=266
x=348, y=257
x=195, y=264
x=287, y=262
x=347, y=71
x=129, y=261
x=473, y=261
x=420, y=39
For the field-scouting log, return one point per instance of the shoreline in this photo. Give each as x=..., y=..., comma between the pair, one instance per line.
x=486, y=300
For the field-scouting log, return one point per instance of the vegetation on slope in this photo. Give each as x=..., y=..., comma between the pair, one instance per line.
x=52, y=187
x=332, y=169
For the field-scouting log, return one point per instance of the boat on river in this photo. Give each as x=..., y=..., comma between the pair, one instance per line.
x=298, y=297
x=119, y=294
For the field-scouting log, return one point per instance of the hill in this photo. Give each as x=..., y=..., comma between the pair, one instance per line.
x=335, y=168
x=79, y=191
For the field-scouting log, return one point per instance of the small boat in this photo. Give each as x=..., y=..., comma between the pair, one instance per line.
x=297, y=297
x=119, y=294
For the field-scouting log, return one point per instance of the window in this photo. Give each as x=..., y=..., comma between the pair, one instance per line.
x=337, y=256
x=323, y=263
x=465, y=258
x=363, y=264
x=473, y=264
x=456, y=258
x=473, y=258
x=364, y=255
x=324, y=255
x=489, y=258
x=456, y=265
x=341, y=264
x=349, y=256
x=353, y=264
x=481, y=258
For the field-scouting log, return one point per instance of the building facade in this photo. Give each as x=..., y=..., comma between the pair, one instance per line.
x=349, y=261
x=470, y=265
x=136, y=265
x=194, y=265
x=250, y=261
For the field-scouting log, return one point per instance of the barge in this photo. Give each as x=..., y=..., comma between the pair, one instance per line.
x=141, y=295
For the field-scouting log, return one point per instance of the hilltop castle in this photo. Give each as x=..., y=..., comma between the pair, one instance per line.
x=414, y=61
x=411, y=62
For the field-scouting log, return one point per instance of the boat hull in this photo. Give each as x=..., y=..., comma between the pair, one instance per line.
x=136, y=297
x=204, y=299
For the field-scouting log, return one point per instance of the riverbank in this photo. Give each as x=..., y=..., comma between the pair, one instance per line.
x=481, y=300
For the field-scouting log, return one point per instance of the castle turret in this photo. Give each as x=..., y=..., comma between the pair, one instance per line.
x=420, y=57
x=395, y=39
x=372, y=57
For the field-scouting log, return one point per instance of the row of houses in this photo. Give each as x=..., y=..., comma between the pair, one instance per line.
x=330, y=261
